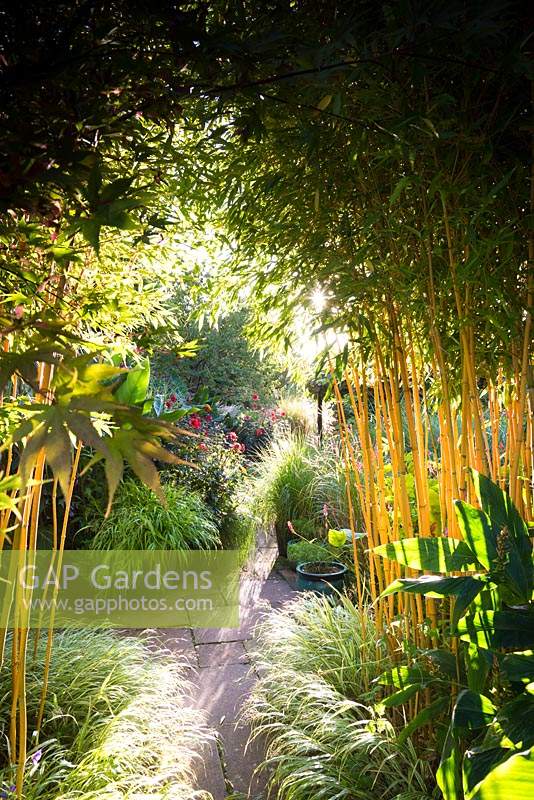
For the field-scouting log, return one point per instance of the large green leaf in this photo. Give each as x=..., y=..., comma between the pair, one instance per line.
x=478, y=664
x=519, y=667
x=446, y=662
x=400, y=697
x=513, y=630
x=464, y=589
x=448, y=775
x=425, y=716
x=133, y=390
x=478, y=762
x=513, y=778
x=472, y=710
x=516, y=720
x=435, y=554
x=435, y=586
x=478, y=533
x=499, y=537
x=404, y=676
x=499, y=507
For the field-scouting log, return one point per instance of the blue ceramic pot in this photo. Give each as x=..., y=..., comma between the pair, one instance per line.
x=327, y=582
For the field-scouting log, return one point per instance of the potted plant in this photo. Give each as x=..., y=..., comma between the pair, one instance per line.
x=302, y=550
x=303, y=544
x=323, y=577
x=326, y=575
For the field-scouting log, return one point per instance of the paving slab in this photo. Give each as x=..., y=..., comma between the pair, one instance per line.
x=226, y=675
x=208, y=771
x=220, y=691
x=241, y=758
x=221, y=653
x=250, y=616
x=290, y=576
x=277, y=590
x=178, y=641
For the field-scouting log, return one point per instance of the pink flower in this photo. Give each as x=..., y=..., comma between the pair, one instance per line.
x=232, y=436
x=208, y=418
x=168, y=404
x=173, y=398
x=236, y=447
x=255, y=397
x=260, y=431
x=202, y=446
x=242, y=448
x=18, y=312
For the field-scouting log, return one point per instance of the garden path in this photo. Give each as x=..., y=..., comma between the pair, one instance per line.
x=224, y=675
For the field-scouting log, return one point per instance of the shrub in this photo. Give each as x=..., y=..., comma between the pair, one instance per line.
x=226, y=363
x=139, y=521
x=114, y=724
x=311, y=705
x=218, y=473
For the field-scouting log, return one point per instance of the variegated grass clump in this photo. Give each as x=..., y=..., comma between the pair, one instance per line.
x=298, y=480
x=139, y=521
x=116, y=724
x=311, y=706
